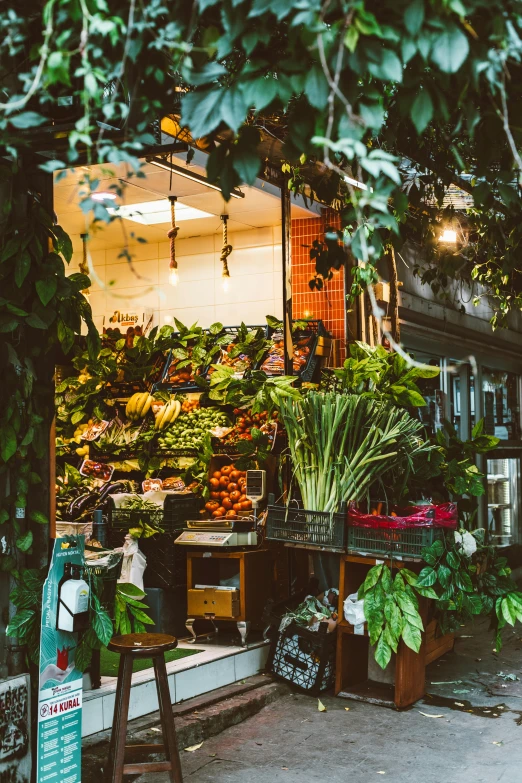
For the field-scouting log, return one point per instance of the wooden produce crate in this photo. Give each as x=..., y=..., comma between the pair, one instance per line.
x=437, y=644
x=210, y=600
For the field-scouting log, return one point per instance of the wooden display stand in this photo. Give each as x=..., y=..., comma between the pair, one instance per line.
x=246, y=605
x=403, y=681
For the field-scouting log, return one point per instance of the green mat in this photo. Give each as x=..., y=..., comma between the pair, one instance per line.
x=110, y=661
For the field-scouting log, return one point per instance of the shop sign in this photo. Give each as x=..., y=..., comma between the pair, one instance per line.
x=60, y=686
x=15, y=726
x=125, y=319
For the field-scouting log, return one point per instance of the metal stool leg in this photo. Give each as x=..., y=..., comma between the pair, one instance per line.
x=119, y=723
x=167, y=719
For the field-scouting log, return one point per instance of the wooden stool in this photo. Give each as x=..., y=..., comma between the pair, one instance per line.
x=142, y=645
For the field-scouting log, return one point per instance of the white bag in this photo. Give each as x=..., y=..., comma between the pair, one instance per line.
x=134, y=563
x=354, y=613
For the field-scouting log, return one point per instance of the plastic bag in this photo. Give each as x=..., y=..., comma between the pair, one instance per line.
x=435, y=515
x=354, y=613
x=134, y=563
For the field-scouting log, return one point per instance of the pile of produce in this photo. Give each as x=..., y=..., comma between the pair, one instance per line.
x=119, y=436
x=342, y=444
x=245, y=422
x=138, y=406
x=189, y=430
x=167, y=414
x=227, y=493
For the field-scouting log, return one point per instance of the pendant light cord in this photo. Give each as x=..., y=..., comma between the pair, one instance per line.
x=226, y=249
x=173, y=232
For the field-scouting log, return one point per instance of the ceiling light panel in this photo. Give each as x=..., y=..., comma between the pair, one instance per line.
x=150, y=213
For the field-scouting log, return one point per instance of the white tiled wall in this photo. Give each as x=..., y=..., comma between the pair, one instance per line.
x=255, y=288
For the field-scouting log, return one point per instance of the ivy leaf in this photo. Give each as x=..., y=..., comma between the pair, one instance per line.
x=316, y=87
x=422, y=111
x=128, y=589
x=372, y=577
x=414, y=17
x=46, y=289
x=427, y=592
x=82, y=656
x=427, y=577
x=8, y=442
x=389, y=69
x=453, y=560
x=27, y=119
x=24, y=541
x=18, y=621
x=38, y=517
x=22, y=266
x=449, y=48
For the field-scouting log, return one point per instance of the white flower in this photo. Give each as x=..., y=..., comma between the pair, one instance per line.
x=469, y=544
x=467, y=541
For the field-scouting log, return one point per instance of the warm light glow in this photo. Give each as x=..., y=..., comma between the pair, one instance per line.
x=103, y=195
x=168, y=319
x=150, y=213
x=449, y=236
x=226, y=284
x=173, y=277
x=306, y=314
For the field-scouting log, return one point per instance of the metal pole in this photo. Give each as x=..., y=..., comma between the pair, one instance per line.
x=286, y=242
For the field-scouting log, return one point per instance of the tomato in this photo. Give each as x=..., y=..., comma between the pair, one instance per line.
x=243, y=498
x=217, y=474
x=224, y=481
x=214, y=482
x=219, y=512
x=235, y=475
x=227, y=503
x=214, y=495
x=235, y=496
x=226, y=470
x=224, y=494
x=237, y=507
x=212, y=505
x=231, y=515
x=232, y=487
x=246, y=505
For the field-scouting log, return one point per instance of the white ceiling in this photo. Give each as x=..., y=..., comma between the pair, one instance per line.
x=259, y=207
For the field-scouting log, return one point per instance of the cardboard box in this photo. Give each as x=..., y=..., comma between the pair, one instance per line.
x=211, y=600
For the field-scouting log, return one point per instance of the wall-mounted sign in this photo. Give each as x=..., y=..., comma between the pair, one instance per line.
x=15, y=724
x=60, y=687
x=124, y=319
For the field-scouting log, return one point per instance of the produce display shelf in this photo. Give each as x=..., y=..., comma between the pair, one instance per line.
x=296, y=526
x=392, y=542
x=164, y=383
x=314, y=329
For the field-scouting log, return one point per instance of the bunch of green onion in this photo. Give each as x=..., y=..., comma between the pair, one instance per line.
x=340, y=444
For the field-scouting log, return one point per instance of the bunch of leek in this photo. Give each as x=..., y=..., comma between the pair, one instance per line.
x=341, y=444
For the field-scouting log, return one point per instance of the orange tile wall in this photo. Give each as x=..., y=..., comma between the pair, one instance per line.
x=329, y=304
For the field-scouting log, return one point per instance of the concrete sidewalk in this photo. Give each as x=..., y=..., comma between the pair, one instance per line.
x=477, y=739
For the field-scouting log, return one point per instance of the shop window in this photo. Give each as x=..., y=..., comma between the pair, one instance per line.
x=503, y=492
x=500, y=404
x=433, y=414
x=461, y=383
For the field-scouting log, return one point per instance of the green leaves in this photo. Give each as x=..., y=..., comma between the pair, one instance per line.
x=316, y=87
x=388, y=68
x=414, y=17
x=27, y=119
x=46, y=289
x=422, y=111
x=8, y=442
x=449, y=48
x=24, y=541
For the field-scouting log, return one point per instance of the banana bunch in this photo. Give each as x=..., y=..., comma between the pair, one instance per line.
x=138, y=406
x=167, y=414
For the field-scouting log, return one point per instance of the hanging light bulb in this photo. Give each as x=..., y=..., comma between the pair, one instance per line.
x=225, y=252
x=172, y=234
x=173, y=276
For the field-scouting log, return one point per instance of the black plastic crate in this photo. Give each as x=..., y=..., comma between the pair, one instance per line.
x=304, y=658
x=166, y=563
x=310, y=529
x=392, y=542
